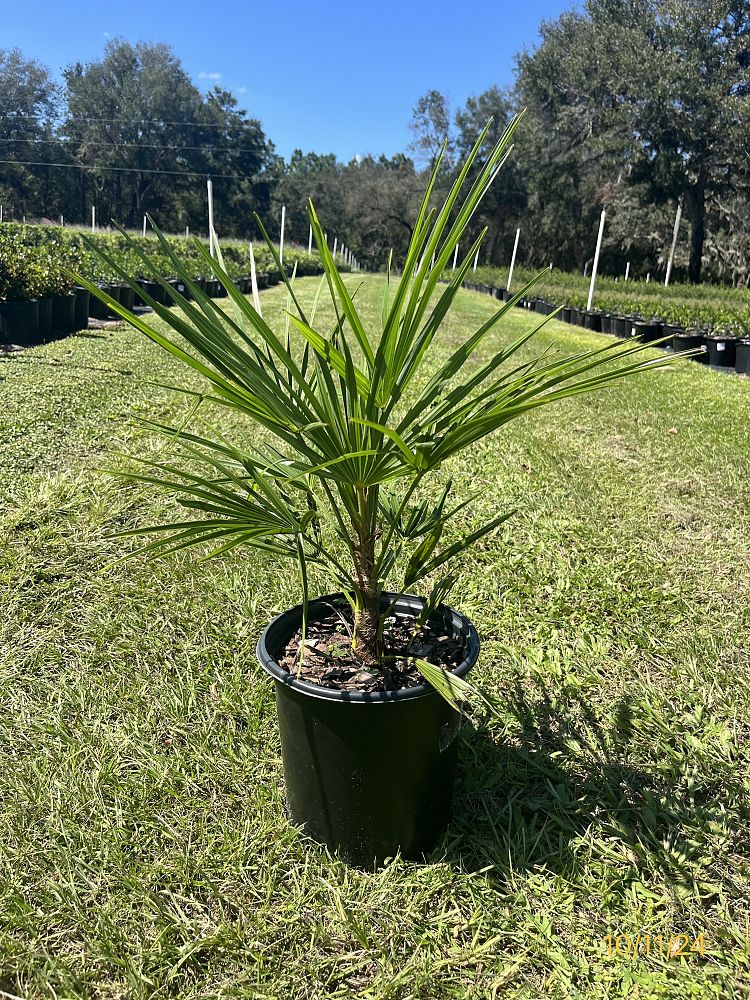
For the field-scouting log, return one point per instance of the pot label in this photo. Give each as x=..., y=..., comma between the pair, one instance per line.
x=448, y=733
x=720, y=347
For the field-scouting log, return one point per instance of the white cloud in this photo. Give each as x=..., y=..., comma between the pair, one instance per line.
x=209, y=76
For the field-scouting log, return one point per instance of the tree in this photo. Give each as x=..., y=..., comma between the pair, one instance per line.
x=236, y=149
x=149, y=138
x=504, y=203
x=382, y=196
x=29, y=101
x=657, y=86
x=431, y=127
x=131, y=118
x=310, y=176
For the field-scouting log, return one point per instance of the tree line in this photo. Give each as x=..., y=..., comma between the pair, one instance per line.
x=632, y=105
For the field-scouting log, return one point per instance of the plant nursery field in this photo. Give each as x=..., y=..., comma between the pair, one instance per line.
x=717, y=307
x=601, y=841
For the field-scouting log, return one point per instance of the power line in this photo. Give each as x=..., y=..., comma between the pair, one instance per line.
x=129, y=170
x=128, y=121
x=135, y=145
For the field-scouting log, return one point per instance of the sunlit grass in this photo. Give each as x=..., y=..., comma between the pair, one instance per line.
x=145, y=851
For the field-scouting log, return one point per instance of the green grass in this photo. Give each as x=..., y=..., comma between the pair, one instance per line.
x=144, y=848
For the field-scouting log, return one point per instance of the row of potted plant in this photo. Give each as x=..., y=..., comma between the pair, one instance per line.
x=38, y=298
x=720, y=308
x=718, y=348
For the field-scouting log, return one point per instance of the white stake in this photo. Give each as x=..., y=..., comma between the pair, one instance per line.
x=144, y=225
x=62, y=222
x=93, y=218
x=476, y=260
x=254, y=282
x=187, y=232
x=210, y=192
x=309, y=240
x=627, y=270
x=335, y=244
x=1, y=213
x=281, y=240
x=513, y=259
x=24, y=220
x=455, y=257
x=674, y=242
x=596, y=259
x=648, y=277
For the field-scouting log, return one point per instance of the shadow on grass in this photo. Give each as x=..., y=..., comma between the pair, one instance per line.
x=72, y=364
x=565, y=794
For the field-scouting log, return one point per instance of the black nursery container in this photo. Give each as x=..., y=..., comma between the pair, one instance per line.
x=722, y=350
x=367, y=774
x=593, y=321
x=606, y=323
x=622, y=326
x=670, y=330
x=648, y=330
x=20, y=322
x=742, y=357
x=565, y=314
x=45, y=318
x=64, y=313
x=82, y=306
x=689, y=340
x=127, y=297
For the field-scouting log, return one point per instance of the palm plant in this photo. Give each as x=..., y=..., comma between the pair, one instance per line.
x=350, y=438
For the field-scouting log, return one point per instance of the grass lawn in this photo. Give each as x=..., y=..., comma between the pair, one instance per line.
x=144, y=847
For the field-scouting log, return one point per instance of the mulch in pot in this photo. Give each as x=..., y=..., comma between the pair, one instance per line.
x=330, y=661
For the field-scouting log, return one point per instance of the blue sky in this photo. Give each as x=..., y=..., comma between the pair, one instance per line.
x=280, y=58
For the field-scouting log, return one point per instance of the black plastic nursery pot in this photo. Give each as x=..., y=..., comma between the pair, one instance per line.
x=21, y=322
x=742, y=357
x=565, y=314
x=82, y=306
x=127, y=297
x=670, y=330
x=648, y=330
x=622, y=326
x=606, y=322
x=45, y=318
x=593, y=321
x=689, y=340
x=367, y=774
x=64, y=313
x=97, y=308
x=722, y=350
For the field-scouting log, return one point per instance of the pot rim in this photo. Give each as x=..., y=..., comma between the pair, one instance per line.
x=405, y=602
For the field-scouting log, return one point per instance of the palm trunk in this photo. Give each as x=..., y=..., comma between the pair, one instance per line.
x=367, y=610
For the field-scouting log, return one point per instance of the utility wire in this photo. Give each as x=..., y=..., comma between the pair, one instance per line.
x=127, y=121
x=129, y=170
x=135, y=145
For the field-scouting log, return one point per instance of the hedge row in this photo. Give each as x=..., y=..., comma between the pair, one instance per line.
x=34, y=259
x=708, y=307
